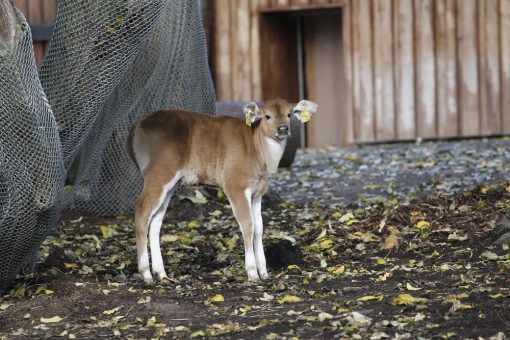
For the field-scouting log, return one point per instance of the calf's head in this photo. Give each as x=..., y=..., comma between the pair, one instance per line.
x=274, y=116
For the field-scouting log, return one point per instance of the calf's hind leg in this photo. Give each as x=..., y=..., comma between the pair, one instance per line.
x=149, y=211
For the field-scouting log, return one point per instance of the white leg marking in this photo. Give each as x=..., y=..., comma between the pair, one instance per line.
x=143, y=262
x=158, y=268
x=156, y=218
x=249, y=255
x=260, y=258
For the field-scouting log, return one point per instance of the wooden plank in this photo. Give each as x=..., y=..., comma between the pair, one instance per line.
x=405, y=108
x=300, y=8
x=425, y=69
x=446, y=72
x=300, y=2
x=279, y=3
x=362, y=71
x=222, y=50
x=49, y=10
x=468, y=67
x=241, y=68
x=488, y=49
x=39, y=48
x=35, y=11
x=256, y=77
x=22, y=6
x=504, y=29
x=383, y=70
x=347, y=71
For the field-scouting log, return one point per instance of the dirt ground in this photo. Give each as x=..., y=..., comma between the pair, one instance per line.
x=426, y=257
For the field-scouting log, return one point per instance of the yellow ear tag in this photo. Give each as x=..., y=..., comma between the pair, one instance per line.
x=248, y=119
x=305, y=116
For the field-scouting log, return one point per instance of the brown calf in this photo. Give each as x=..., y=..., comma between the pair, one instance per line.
x=195, y=148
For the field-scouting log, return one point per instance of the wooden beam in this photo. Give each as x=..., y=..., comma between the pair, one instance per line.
x=403, y=30
x=488, y=51
x=504, y=43
x=383, y=70
x=362, y=71
x=347, y=70
x=297, y=8
x=467, y=58
x=425, y=69
x=446, y=68
x=222, y=48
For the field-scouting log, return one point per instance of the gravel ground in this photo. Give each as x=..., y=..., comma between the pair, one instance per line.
x=350, y=177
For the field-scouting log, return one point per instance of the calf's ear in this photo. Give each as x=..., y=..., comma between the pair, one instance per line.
x=251, y=112
x=304, y=110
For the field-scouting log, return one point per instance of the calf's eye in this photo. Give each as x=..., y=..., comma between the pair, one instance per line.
x=268, y=117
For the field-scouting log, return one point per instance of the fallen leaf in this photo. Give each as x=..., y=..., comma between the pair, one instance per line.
x=5, y=305
x=324, y=316
x=371, y=298
x=489, y=256
x=53, y=319
x=197, y=334
x=358, y=319
x=410, y=287
x=289, y=299
x=422, y=225
x=406, y=299
x=217, y=298
x=390, y=242
x=111, y=311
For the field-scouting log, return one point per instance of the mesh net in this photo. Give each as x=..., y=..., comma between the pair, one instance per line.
x=108, y=63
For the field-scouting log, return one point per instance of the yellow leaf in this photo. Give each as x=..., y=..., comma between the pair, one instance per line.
x=496, y=296
x=111, y=311
x=151, y=322
x=69, y=265
x=193, y=224
x=292, y=266
x=49, y=292
x=406, y=299
x=354, y=220
x=422, y=225
x=337, y=270
x=410, y=287
x=52, y=319
x=390, y=242
x=289, y=299
x=336, y=214
x=508, y=188
x=220, y=194
x=484, y=189
x=217, y=298
x=197, y=334
x=371, y=298
x=326, y=244
x=380, y=260
x=346, y=217
x=169, y=238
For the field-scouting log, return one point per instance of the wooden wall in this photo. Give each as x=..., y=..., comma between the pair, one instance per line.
x=413, y=68
x=38, y=12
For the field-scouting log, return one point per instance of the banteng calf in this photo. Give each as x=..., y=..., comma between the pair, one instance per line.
x=195, y=148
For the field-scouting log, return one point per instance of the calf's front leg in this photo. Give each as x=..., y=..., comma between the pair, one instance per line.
x=260, y=258
x=240, y=200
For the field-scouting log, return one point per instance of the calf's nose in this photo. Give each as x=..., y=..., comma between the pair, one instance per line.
x=283, y=130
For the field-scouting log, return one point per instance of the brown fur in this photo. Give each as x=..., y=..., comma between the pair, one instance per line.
x=203, y=149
